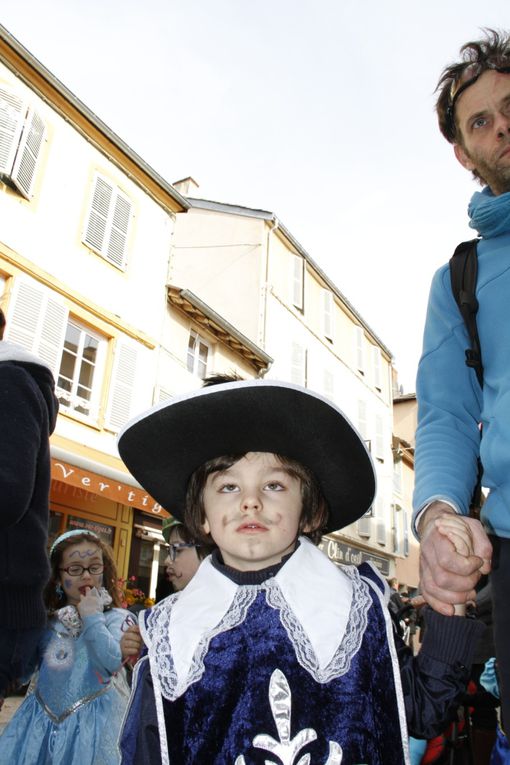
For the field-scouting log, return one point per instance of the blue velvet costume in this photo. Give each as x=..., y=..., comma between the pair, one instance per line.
x=301, y=668
x=74, y=712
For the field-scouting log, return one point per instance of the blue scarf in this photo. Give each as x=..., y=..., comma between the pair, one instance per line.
x=490, y=215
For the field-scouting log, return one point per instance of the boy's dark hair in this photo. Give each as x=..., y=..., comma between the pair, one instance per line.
x=478, y=56
x=314, y=512
x=204, y=548
x=52, y=600
x=2, y=324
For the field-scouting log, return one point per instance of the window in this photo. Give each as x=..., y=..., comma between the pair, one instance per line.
x=22, y=133
x=397, y=475
x=360, y=355
x=363, y=423
x=298, y=364
x=108, y=220
x=81, y=370
x=365, y=524
x=327, y=305
x=39, y=320
x=406, y=532
x=329, y=384
x=198, y=353
x=376, y=360
x=298, y=282
x=381, y=525
x=379, y=438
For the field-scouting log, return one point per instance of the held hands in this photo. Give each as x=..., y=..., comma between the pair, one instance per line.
x=455, y=552
x=90, y=603
x=131, y=643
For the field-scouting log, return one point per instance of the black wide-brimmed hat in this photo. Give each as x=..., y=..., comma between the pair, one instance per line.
x=165, y=445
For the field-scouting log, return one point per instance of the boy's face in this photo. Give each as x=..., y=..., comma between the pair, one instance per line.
x=252, y=511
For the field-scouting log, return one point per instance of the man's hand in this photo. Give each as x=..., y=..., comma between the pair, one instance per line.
x=448, y=577
x=131, y=643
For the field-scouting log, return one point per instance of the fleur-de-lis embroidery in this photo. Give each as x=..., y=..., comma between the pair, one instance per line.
x=287, y=749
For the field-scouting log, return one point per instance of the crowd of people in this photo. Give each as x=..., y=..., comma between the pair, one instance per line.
x=260, y=646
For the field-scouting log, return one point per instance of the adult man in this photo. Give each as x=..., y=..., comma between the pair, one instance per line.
x=28, y=412
x=474, y=115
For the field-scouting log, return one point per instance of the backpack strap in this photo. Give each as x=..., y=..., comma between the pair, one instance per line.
x=463, y=275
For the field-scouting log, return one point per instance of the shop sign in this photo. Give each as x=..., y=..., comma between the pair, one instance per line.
x=339, y=552
x=105, y=487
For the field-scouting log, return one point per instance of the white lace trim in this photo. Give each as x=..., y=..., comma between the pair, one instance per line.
x=157, y=629
x=351, y=641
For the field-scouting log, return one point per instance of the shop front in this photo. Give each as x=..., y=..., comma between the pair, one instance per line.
x=342, y=552
x=105, y=500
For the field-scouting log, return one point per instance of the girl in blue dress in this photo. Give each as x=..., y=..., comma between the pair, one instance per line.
x=73, y=711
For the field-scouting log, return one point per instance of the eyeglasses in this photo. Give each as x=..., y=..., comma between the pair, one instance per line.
x=77, y=570
x=467, y=77
x=173, y=550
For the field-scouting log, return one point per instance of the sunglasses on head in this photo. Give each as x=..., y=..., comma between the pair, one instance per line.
x=467, y=77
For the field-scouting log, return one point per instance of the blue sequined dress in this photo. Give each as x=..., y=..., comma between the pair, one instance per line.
x=73, y=713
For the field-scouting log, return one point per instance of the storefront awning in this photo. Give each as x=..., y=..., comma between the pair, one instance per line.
x=107, y=483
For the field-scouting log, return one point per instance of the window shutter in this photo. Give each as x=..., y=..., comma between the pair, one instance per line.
x=12, y=114
x=298, y=364
x=381, y=525
x=122, y=385
x=379, y=438
x=406, y=533
x=376, y=356
x=360, y=356
x=362, y=418
x=329, y=384
x=297, y=281
x=328, y=303
x=23, y=172
x=108, y=222
x=38, y=322
x=365, y=526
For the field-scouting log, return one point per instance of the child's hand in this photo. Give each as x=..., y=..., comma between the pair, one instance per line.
x=131, y=643
x=458, y=533
x=90, y=603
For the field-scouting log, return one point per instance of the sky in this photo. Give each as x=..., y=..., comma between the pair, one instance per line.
x=321, y=111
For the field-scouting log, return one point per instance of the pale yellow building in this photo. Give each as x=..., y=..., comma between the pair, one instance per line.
x=85, y=237
x=248, y=266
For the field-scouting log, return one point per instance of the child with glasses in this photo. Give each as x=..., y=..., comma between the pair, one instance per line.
x=73, y=711
x=272, y=654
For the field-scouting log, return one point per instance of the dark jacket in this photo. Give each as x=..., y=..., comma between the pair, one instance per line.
x=28, y=412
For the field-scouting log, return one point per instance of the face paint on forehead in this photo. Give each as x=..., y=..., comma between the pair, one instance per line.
x=85, y=554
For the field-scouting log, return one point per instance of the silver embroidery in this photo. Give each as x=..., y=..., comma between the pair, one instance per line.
x=287, y=749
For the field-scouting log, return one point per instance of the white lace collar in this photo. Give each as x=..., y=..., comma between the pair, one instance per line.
x=318, y=593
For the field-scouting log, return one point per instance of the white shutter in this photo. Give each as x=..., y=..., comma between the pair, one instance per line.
x=297, y=281
x=298, y=364
x=365, y=526
x=38, y=322
x=376, y=359
x=23, y=172
x=379, y=437
x=360, y=355
x=95, y=229
x=329, y=384
x=108, y=222
x=362, y=419
x=12, y=114
x=122, y=385
x=328, y=303
x=116, y=250
x=381, y=525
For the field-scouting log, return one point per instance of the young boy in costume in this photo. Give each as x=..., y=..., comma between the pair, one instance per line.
x=272, y=654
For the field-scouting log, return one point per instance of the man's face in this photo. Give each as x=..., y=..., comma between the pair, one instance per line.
x=253, y=511
x=483, y=118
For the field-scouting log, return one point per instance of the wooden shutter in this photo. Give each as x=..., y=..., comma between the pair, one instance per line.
x=122, y=385
x=360, y=355
x=327, y=305
x=376, y=358
x=108, y=222
x=298, y=364
x=37, y=321
x=12, y=113
x=23, y=172
x=298, y=281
